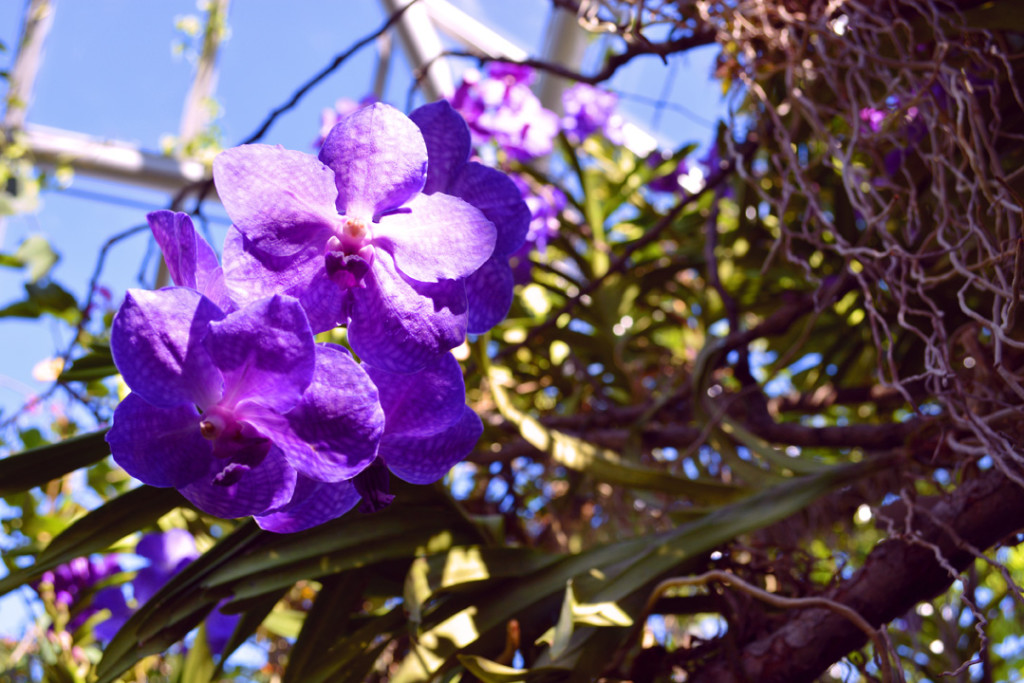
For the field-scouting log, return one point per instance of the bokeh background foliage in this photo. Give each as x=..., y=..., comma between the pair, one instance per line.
x=805, y=373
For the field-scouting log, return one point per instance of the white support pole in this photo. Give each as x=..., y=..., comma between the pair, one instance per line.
x=36, y=25
x=111, y=160
x=423, y=47
x=471, y=33
x=565, y=43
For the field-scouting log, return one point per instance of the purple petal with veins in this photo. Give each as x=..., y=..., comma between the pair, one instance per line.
x=423, y=403
x=423, y=460
x=266, y=486
x=313, y=503
x=156, y=341
x=265, y=353
x=282, y=200
x=399, y=324
x=332, y=434
x=459, y=241
x=158, y=445
x=379, y=160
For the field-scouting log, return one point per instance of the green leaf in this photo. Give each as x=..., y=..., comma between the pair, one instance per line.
x=404, y=530
x=28, y=469
x=604, y=464
x=324, y=625
x=492, y=672
x=98, y=530
x=97, y=364
x=49, y=299
x=176, y=608
x=756, y=512
x=37, y=254
x=118, y=518
x=565, y=624
x=416, y=590
x=199, y=666
x=356, y=651
x=285, y=622
x=251, y=619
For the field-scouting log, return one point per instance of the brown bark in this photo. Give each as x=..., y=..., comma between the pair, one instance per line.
x=898, y=573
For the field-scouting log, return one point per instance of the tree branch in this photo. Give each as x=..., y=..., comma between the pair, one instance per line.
x=899, y=573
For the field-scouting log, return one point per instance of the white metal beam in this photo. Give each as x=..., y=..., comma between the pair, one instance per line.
x=423, y=47
x=111, y=159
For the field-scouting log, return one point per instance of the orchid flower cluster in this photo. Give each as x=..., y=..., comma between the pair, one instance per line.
x=391, y=232
x=500, y=107
x=78, y=586
x=73, y=582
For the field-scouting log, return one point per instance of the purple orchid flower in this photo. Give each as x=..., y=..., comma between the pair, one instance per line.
x=168, y=553
x=669, y=182
x=353, y=238
x=221, y=403
x=501, y=107
x=72, y=583
x=447, y=137
x=873, y=117
x=427, y=429
x=191, y=261
x=589, y=109
x=545, y=204
x=221, y=398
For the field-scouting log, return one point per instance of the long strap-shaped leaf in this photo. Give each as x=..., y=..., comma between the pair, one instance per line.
x=602, y=463
x=35, y=467
x=98, y=530
x=176, y=609
x=614, y=573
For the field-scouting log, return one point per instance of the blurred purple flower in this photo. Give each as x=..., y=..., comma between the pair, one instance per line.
x=589, y=109
x=669, y=182
x=353, y=238
x=73, y=582
x=501, y=107
x=873, y=117
x=168, y=553
x=545, y=203
x=488, y=289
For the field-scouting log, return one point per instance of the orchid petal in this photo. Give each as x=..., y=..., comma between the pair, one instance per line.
x=168, y=552
x=252, y=275
x=265, y=353
x=159, y=446
x=267, y=486
x=191, y=261
x=424, y=403
x=498, y=198
x=439, y=238
x=156, y=340
x=280, y=199
x=314, y=503
x=332, y=433
x=423, y=460
x=448, y=143
x=489, y=293
x=398, y=324
x=378, y=158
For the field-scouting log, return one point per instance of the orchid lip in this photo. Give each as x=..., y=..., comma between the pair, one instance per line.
x=350, y=235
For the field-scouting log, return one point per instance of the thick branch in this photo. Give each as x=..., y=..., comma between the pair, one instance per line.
x=899, y=573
